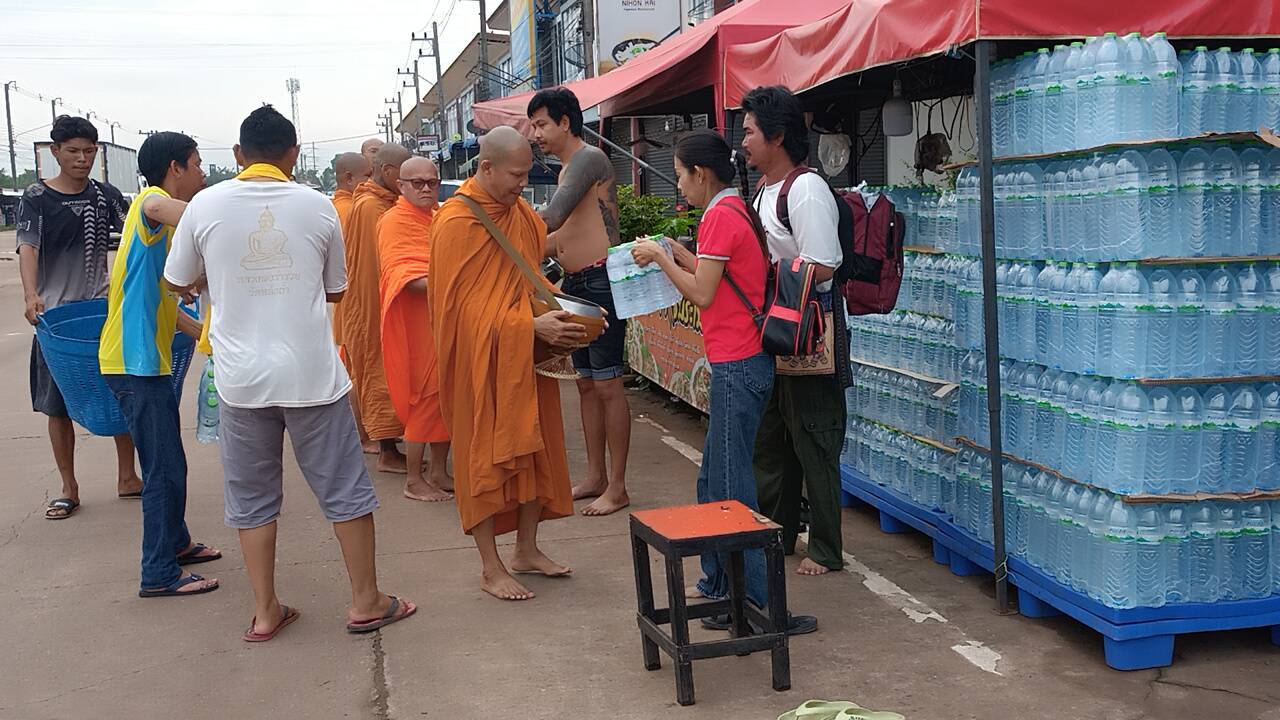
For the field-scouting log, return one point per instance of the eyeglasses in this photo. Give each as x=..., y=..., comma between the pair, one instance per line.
x=418, y=184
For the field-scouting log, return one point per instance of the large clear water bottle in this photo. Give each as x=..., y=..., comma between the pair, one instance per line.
x=208, y=410
x=1197, y=84
x=1224, y=203
x=1107, y=206
x=1070, y=96
x=1130, y=418
x=1173, y=521
x=1108, y=78
x=1166, y=87
x=1162, y=429
x=1043, y=452
x=1247, y=321
x=1189, y=330
x=1244, y=113
x=1242, y=440
x=1252, y=164
x=1043, y=309
x=1188, y=443
x=1224, y=72
x=1067, y=314
x=1101, y=401
x=1269, y=234
x=1130, y=201
x=1095, y=568
x=1025, y=304
x=1220, y=304
x=1056, y=238
x=1269, y=439
x=1071, y=205
x=1275, y=546
x=1053, y=101
x=1058, y=299
x=1086, y=99
x=1088, y=298
x=1135, y=104
x=1256, y=521
x=1162, y=233
x=1269, y=319
x=1129, y=331
x=1202, y=553
x=1076, y=448
x=1213, y=440
x=1039, y=79
x=1149, y=565
x=1092, y=210
x=1022, y=94
x=1031, y=186
x=1108, y=306
x=1160, y=325
x=1269, y=92
x=1013, y=424
x=1194, y=202
x=1074, y=546
x=1028, y=395
x=1231, y=549
x=638, y=290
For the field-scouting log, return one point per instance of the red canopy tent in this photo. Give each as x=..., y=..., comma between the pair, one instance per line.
x=690, y=61
x=870, y=33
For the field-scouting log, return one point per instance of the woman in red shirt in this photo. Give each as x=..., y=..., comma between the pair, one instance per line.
x=730, y=252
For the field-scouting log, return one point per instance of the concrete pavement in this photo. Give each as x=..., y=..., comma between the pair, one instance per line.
x=897, y=631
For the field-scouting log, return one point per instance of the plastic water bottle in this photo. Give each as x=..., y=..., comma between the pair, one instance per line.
x=1074, y=547
x=207, y=414
x=1220, y=298
x=1231, y=549
x=1269, y=235
x=1242, y=440
x=1187, y=446
x=1092, y=206
x=1070, y=96
x=1077, y=449
x=1194, y=202
x=1189, y=331
x=1108, y=305
x=1088, y=297
x=1149, y=565
x=1224, y=202
x=1022, y=103
x=1162, y=429
x=1247, y=321
x=1224, y=71
x=1130, y=206
x=638, y=290
x=1101, y=403
x=1275, y=546
x=1130, y=419
x=1066, y=313
x=1269, y=439
x=1031, y=183
x=1000, y=107
x=1173, y=521
x=1245, y=114
x=1159, y=314
x=1166, y=87
x=1135, y=104
x=1108, y=80
x=1039, y=77
x=1095, y=567
x=1025, y=294
x=1256, y=541
x=1162, y=233
x=1070, y=205
x=1214, y=450
x=1195, y=116
x=1053, y=100
x=1043, y=309
x=1269, y=92
x=1043, y=452
x=1129, y=333
x=1269, y=319
x=1086, y=100
x=1106, y=208
x=1252, y=164
x=1202, y=553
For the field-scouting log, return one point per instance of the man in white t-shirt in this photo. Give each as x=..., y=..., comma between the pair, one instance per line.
x=272, y=253
x=800, y=437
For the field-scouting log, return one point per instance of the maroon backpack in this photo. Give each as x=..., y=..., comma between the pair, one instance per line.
x=871, y=241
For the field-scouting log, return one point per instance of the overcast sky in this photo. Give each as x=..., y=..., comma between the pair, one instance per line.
x=201, y=67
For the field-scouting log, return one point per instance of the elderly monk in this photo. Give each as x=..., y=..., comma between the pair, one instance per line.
x=360, y=312
x=508, y=436
x=369, y=148
x=408, y=349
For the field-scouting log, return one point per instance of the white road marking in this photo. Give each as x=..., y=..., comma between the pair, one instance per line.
x=978, y=654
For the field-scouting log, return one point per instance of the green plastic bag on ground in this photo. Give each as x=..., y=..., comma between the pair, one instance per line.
x=836, y=710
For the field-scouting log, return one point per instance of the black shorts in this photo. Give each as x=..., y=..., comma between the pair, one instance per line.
x=602, y=359
x=45, y=396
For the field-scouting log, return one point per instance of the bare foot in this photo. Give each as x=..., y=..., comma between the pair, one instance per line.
x=538, y=563
x=504, y=587
x=393, y=462
x=425, y=491
x=589, y=489
x=370, y=447
x=811, y=568
x=693, y=593
x=128, y=486
x=444, y=481
x=607, y=504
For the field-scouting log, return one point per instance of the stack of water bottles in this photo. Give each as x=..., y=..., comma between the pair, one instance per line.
x=639, y=290
x=929, y=284
x=1118, y=89
x=1120, y=554
x=923, y=344
x=916, y=470
x=910, y=404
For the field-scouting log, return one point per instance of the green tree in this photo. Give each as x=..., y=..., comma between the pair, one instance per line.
x=217, y=174
x=639, y=215
x=25, y=178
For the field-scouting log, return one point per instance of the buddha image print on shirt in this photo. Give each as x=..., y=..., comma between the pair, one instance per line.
x=267, y=246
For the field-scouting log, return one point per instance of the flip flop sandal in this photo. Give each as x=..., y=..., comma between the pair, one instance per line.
x=66, y=505
x=387, y=618
x=130, y=495
x=836, y=710
x=287, y=616
x=193, y=556
x=174, y=589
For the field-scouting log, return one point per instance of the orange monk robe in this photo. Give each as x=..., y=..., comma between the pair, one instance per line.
x=342, y=200
x=408, y=348
x=508, y=436
x=360, y=312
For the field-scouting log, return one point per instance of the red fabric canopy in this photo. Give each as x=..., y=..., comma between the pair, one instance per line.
x=870, y=33
x=689, y=61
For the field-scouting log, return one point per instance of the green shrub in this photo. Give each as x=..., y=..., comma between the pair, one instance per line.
x=640, y=215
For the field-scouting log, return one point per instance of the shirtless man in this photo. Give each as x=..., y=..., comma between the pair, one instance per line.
x=582, y=221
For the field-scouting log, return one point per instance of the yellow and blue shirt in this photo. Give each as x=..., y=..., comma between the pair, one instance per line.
x=142, y=314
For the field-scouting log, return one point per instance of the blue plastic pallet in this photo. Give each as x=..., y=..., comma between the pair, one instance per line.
x=1133, y=638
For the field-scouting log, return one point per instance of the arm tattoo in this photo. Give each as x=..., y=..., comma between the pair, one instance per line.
x=588, y=167
x=609, y=213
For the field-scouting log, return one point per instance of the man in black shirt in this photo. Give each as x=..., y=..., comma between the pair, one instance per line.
x=64, y=227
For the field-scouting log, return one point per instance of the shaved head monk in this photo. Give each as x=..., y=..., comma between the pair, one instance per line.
x=408, y=349
x=508, y=437
x=350, y=170
x=369, y=148
x=359, y=315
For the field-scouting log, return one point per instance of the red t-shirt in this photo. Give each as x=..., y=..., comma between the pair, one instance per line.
x=728, y=331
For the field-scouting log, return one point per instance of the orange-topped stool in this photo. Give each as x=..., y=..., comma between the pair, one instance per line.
x=726, y=527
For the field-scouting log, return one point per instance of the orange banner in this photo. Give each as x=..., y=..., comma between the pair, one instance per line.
x=666, y=347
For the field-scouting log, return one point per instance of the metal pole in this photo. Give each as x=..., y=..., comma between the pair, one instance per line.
x=661, y=175
x=589, y=37
x=435, y=51
x=13, y=152
x=990, y=316
x=417, y=97
x=53, y=109
x=482, y=84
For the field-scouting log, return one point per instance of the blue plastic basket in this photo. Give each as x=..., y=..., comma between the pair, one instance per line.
x=68, y=338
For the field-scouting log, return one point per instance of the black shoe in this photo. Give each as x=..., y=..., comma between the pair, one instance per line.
x=796, y=624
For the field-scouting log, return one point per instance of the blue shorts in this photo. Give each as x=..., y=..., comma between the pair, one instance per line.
x=602, y=359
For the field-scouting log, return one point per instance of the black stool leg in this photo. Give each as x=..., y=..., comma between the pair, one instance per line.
x=680, y=629
x=777, y=571
x=644, y=599
x=737, y=597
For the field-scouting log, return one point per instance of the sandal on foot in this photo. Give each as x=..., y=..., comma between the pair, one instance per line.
x=130, y=495
x=287, y=616
x=192, y=555
x=64, y=507
x=392, y=615
x=174, y=589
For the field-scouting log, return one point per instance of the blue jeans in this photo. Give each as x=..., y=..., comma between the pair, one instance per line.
x=739, y=392
x=151, y=410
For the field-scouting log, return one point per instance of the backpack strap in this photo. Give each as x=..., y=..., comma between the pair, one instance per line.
x=757, y=313
x=783, y=209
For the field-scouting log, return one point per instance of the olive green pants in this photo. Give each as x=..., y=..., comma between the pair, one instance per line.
x=798, y=451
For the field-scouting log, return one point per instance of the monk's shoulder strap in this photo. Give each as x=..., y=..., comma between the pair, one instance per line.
x=534, y=279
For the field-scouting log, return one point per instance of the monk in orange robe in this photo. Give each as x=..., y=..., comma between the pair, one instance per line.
x=408, y=349
x=360, y=312
x=350, y=169
x=510, y=467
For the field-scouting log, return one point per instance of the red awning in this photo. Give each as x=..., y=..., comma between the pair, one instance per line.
x=690, y=61
x=870, y=33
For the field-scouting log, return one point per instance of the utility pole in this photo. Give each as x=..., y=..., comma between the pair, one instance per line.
x=113, y=125
x=417, y=92
x=589, y=37
x=435, y=47
x=482, y=82
x=53, y=108
x=13, y=152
